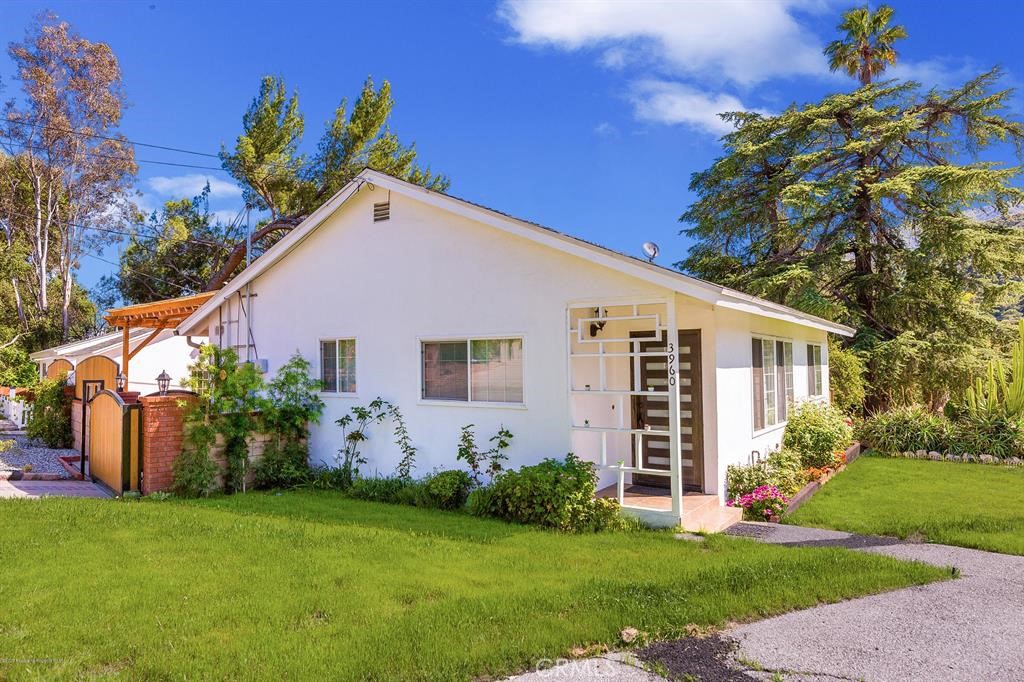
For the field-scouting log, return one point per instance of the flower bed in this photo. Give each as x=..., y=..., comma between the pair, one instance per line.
x=851, y=453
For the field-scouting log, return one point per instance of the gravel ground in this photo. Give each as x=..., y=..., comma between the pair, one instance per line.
x=42, y=459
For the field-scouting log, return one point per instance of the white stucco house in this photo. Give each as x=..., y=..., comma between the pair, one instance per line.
x=166, y=351
x=460, y=314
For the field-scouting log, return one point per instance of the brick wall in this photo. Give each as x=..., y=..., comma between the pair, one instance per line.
x=163, y=436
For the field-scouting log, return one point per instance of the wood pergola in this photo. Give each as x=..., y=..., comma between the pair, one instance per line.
x=158, y=316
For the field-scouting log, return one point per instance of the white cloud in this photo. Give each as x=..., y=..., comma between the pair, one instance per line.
x=606, y=129
x=182, y=186
x=743, y=41
x=676, y=103
x=940, y=72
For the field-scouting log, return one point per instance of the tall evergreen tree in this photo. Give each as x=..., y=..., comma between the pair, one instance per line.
x=276, y=177
x=861, y=208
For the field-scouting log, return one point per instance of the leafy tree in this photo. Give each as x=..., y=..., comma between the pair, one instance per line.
x=175, y=254
x=68, y=170
x=862, y=208
x=277, y=178
x=867, y=48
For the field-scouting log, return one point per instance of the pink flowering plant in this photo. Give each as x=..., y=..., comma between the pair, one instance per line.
x=762, y=503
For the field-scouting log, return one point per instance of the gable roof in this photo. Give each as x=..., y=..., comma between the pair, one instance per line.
x=600, y=255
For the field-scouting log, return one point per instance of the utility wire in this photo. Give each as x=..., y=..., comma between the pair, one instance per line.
x=26, y=145
x=123, y=139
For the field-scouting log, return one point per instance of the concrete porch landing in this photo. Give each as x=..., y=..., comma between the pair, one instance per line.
x=701, y=512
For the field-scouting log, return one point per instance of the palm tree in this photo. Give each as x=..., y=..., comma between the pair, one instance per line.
x=867, y=48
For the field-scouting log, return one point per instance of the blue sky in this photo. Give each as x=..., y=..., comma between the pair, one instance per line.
x=585, y=116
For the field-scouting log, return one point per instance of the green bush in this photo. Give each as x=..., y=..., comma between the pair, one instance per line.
x=782, y=469
x=906, y=428
x=194, y=473
x=330, y=478
x=284, y=464
x=481, y=502
x=553, y=494
x=50, y=419
x=993, y=434
x=846, y=372
x=816, y=431
x=389, y=489
x=444, y=490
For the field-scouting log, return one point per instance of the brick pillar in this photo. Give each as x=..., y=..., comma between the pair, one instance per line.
x=162, y=436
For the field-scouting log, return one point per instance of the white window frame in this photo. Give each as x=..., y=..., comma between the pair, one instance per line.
x=467, y=339
x=819, y=369
x=337, y=369
x=781, y=392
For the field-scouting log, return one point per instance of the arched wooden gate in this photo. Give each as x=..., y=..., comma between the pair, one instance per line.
x=115, y=441
x=92, y=375
x=58, y=367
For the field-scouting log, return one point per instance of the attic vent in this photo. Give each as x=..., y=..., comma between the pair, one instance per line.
x=381, y=211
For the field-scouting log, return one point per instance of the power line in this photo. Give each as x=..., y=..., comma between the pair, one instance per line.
x=26, y=145
x=124, y=139
x=143, y=274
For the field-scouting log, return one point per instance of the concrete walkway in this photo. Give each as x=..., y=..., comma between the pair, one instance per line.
x=964, y=629
x=35, y=489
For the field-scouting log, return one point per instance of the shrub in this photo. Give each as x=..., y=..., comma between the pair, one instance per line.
x=906, y=428
x=444, y=490
x=481, y=502
x=479, y=462
x=284, y=464
x=389, y=489
x=782, y=469
x=816, y=431
x=995, y=434
x=330, y=478
x=762, y=504
x=786, y=471
x=553, y=494
x=50, y=419
x=846, y=371
x=195, y=473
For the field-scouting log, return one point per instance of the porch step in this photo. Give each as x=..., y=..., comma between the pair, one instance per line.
x=704, y=513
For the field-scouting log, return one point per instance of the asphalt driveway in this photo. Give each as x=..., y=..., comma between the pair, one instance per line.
x=964, y=629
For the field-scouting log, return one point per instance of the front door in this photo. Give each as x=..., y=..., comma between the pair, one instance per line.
x=650, y=373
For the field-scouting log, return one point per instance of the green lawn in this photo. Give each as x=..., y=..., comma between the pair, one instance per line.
x=308, y=585
x=970, y=505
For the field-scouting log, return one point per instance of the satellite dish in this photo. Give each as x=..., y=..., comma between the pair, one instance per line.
x=652, y=251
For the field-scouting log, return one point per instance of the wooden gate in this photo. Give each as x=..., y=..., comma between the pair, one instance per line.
x=57, y=368
x=115, y=435
x=95, y=368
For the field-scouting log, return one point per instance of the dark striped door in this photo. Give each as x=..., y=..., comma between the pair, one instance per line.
x=651, y=374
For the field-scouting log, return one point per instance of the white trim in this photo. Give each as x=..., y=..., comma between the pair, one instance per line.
x=820, y=366
x=663, y=277
x=468, y=339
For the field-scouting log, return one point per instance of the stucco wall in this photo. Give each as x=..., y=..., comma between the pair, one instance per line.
x=427, y=274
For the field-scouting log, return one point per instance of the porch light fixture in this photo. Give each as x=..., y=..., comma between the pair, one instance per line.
x=120, y=381
x=596, y=327
x=163, y=381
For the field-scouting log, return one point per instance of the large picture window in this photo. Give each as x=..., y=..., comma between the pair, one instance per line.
x=772, y=364
x=473, y=370
x=338, y=365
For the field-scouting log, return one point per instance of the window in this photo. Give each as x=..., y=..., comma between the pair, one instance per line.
x=473, y=370
x=338, y=365
x=772, y=363
x=815, y=385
